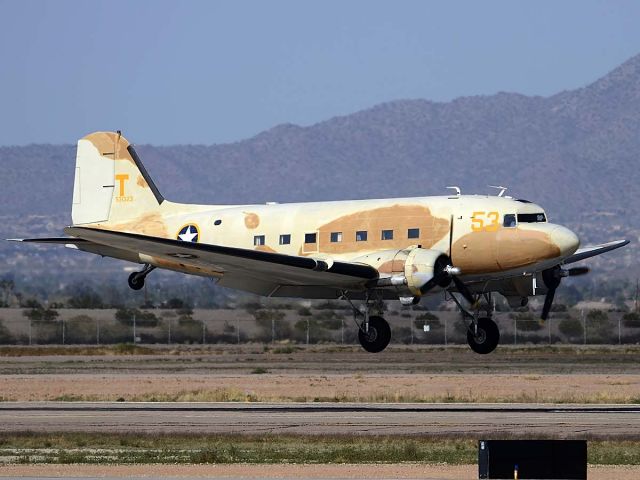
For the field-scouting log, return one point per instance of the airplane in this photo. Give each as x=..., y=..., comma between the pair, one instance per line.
x=368, y=251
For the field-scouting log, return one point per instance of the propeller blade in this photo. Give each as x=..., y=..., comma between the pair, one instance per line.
x=575, y=271
x=462, y=288
x=435, y=281
x=548, y=301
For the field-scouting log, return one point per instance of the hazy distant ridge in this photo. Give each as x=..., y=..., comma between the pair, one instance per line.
x=575, y=152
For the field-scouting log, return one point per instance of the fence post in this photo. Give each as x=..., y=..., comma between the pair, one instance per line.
x=446, y=321
x=29, y=331
x=204, y=330
x=584, y=327
x=97, y=331
x=411, y=329
x=134, y=328
x=307, y=331
x=169, y=332
x=515, y=331
x=273, y=330
x=342, y=330
x=62, y=321
x=238, y=329
x=619, y=336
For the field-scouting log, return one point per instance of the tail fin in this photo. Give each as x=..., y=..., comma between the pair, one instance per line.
x=111, y=185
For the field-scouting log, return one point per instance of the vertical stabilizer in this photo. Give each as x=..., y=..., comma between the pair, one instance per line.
x=111, y=185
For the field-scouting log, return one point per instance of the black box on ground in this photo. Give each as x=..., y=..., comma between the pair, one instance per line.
x=529, y=459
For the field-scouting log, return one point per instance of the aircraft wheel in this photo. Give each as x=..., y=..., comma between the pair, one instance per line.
x=378, y=336
x=136, y=281
x=487, y=338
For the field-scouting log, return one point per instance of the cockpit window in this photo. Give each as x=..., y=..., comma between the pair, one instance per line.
x=531, y=217
x=509, y=220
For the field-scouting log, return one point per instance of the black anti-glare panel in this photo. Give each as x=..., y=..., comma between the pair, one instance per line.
x=539, y=459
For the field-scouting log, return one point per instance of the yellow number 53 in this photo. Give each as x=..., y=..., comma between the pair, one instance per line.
x=485, y=221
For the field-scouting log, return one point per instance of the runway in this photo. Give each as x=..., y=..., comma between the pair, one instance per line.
x=490, y=420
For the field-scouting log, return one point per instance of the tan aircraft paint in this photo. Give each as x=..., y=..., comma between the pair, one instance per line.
x=398, y=218
x=491, y=250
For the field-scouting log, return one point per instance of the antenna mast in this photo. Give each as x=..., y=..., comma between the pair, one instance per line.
x=501, y=188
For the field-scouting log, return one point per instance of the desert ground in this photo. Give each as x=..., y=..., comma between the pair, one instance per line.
x=285, y=372
x=359, y=471
x=319, y=387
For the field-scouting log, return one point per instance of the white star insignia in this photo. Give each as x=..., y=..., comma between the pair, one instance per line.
x=188, y=234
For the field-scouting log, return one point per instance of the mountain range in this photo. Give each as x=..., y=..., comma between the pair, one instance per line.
x=576, y=153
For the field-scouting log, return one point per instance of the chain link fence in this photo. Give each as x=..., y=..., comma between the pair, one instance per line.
x=306, y=326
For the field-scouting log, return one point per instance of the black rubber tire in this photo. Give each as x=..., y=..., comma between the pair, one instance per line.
x=135, y=281
x=487, y=339
x=378, y=336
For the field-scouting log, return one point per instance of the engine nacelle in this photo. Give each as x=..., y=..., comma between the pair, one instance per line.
x=421, y=266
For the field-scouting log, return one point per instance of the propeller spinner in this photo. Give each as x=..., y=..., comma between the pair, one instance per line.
x=445, y=272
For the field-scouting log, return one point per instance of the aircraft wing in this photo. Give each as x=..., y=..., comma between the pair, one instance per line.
x=256, y=271
x=587, y=252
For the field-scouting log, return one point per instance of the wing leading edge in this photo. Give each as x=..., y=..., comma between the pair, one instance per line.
x=258, y=271
x=592, y=251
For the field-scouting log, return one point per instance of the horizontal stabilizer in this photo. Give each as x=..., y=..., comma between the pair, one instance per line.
x=58, y=240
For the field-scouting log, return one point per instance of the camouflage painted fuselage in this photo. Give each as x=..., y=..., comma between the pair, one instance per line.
x=476, y=232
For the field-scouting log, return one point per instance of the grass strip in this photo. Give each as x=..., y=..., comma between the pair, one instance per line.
x=91, y=448
x=571, y=351
x=230, y=394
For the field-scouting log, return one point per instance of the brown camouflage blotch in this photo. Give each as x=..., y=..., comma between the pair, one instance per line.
x=265, y=248
x=151, y=224
x=504, y=249
x=392, y=266
x=183, y=267
x=108, y=143
x=398, y=218
x=141, y=182
x=525, y=248
x=251, y=220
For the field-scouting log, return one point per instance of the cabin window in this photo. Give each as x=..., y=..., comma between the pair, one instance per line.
x=217, y=222
x=310, y=238
x=361, y=236
x=387, y=235
x=285, y=239
x=258, y=240
x=509, y=220
x=531, y=218
x=336, y=237
x=413, y=233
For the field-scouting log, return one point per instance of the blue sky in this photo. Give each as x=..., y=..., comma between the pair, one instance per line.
x=170, y=72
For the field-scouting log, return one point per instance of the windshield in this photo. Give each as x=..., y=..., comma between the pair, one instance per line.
x=509, y=220
x=531, y=217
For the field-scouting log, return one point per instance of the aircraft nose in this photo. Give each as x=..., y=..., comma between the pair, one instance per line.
x=565, y=239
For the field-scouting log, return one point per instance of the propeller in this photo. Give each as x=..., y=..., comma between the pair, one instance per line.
x=552, y=278
x=445, y=272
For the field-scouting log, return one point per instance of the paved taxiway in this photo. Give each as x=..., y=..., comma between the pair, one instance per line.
x=622, y=421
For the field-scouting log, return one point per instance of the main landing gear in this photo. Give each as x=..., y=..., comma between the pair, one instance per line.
x=374, y=332
x=483, y=335
x=136, y=279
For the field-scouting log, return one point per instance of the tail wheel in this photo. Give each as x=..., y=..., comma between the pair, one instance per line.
x=486, y=338
x=377, y=337
x=136, y=281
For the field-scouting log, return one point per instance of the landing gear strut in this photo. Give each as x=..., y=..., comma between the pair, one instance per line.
x=483, y=335
x=374, y=332
x=136, y=279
